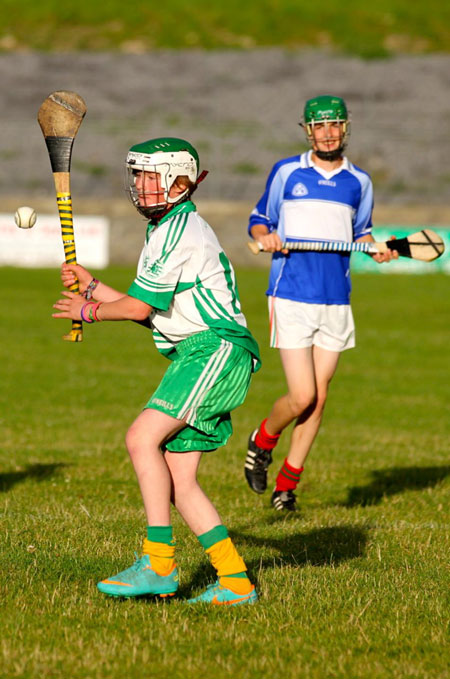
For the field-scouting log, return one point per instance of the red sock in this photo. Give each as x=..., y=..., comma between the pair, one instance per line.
x=265, y=440
x=288, y=477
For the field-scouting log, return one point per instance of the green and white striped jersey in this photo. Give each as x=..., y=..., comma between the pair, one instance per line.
x=184, y=274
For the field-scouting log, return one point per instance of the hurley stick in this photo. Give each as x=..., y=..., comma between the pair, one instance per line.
x=60, y=117
x=425, y=245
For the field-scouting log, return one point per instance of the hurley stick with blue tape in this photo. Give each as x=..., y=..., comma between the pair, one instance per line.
x=425, y=245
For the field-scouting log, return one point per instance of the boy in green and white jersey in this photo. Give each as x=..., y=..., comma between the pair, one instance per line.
x=185, y=290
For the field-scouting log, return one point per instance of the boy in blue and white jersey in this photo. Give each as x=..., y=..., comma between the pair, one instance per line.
x=185, y=290
x=305, y=202
x=318, y=195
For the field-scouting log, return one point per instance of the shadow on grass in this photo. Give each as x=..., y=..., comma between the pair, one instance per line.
x=386, y=482
x=38, y=472
x=326, y=546
x=319, y=547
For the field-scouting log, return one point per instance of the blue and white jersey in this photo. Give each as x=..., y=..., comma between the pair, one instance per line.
x=303, y=202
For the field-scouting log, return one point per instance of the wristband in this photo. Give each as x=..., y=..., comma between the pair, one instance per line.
x=92, y=312
x=90, y=289
x=83, y=317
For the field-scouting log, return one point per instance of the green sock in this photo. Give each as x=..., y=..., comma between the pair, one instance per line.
x=243, y=574
x=212, y=536
x=162, y=534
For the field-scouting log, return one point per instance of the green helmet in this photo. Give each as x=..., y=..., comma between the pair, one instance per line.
x=323, y=109
x=170, y=158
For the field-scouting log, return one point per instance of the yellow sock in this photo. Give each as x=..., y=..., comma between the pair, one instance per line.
x=161, y=556
x=237, y=585
x=227, y=562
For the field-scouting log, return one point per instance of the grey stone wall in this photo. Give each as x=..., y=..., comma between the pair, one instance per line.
x=241, y=109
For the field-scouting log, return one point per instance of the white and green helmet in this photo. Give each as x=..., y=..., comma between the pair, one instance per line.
x=325, y=109
x=169, y=157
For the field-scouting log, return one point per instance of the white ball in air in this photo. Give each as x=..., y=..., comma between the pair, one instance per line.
x=25, y=217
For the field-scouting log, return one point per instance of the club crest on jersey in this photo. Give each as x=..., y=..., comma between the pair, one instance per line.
x=299, y=190
x=152, y=268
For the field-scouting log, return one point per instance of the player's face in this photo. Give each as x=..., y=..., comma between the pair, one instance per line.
x=327, y=136
x=148, y=187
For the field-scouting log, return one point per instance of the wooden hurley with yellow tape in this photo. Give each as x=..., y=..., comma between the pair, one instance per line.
x=60, y=117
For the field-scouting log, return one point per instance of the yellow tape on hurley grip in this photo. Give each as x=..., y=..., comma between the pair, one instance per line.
x=64, y=201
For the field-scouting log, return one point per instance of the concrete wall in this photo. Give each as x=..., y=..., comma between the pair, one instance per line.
x=228, y=219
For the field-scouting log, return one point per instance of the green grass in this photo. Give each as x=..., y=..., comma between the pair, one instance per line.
x=354, y=586
x=370, y=29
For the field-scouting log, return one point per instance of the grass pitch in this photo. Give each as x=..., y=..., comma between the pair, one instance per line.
x=354, y=586
x=369, y=30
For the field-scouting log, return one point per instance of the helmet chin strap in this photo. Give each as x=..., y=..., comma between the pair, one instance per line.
x=202, y=176
x=330, y=155
x=152, y=214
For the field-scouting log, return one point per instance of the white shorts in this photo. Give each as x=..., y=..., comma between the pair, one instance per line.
x=296, y=325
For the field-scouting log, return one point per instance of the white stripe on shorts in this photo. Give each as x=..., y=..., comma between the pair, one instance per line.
x=208, y=375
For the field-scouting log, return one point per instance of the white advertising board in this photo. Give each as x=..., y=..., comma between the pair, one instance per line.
x=42, y=247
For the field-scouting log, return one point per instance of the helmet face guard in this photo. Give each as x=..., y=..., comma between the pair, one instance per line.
x=324, y=110
x=165, y=160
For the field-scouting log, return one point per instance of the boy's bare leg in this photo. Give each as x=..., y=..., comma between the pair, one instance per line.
x=298, y=366
x=190, y=500
x=308, y=423
x=144, y=438
x=155, y=572
x=233, y=585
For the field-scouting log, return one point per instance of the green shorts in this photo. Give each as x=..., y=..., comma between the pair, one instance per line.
x=208, y=378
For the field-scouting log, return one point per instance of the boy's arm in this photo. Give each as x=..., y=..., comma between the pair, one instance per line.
x=104, y=293
x=99, y=291
x=270, y=240
x=125, y=308
x=363, y=221
x=264, y=218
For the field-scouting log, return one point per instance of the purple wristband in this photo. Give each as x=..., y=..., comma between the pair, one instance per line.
x=83, y=317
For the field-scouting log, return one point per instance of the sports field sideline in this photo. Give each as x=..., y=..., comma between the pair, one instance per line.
x=356, y=585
